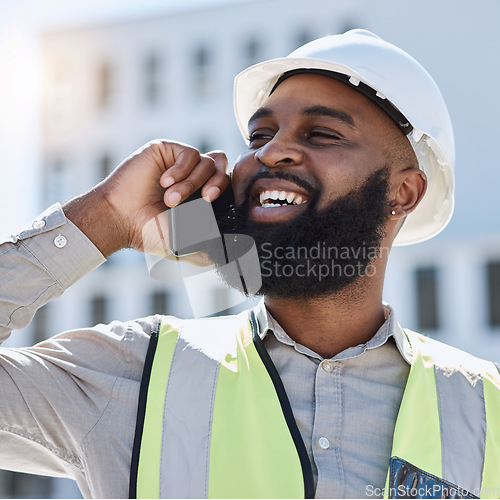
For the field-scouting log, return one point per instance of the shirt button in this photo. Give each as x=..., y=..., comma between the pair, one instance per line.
x=327, y=366
x=324, y=443
x=38, y=224
x=60, y=241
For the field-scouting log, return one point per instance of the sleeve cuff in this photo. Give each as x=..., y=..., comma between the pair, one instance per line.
x=59, y=246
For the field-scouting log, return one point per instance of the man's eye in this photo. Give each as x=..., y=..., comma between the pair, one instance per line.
x=325, y=135
x=259, y=136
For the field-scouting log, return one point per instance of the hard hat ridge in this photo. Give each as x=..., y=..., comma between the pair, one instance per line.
x=398, y=84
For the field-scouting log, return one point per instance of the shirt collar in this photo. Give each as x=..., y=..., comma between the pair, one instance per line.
x=391, y=327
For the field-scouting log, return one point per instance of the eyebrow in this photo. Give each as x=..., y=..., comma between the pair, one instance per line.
x=330, y=112
x=319, y=110
x=260, y=113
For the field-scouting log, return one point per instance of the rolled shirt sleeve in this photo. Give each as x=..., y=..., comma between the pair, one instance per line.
x=68, y=405
x=38, y=264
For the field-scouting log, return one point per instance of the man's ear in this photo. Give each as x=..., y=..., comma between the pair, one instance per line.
x=409, y=188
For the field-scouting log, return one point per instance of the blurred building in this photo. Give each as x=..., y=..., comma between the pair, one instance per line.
x=110, y=88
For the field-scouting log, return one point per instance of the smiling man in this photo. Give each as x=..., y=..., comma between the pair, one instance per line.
x=347, y=167
x=315, y=392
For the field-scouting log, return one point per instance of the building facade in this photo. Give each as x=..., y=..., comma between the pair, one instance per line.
x=110, y=88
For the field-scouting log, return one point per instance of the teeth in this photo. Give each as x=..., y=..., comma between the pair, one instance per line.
x=267, y=197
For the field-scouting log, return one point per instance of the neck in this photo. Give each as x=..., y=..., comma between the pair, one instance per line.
x=328, y=325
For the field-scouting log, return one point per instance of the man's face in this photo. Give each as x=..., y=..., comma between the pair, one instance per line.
x=317, y=129
x=314, y=179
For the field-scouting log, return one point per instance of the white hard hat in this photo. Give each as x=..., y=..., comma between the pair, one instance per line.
x=396, y=82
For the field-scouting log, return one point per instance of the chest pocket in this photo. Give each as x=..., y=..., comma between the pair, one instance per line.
x=408, y=481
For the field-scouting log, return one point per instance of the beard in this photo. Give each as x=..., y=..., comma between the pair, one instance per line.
x=318, y=252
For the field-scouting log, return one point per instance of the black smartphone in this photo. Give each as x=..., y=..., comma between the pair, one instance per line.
x=193, y=223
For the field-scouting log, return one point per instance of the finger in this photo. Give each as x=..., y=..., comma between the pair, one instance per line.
x=216, y=185
x=186, y=160
x=220, y=160
x=219, y=182
x=181, y=190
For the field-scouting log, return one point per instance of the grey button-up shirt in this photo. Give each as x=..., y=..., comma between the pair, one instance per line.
x=345, y=407
x=69, y=404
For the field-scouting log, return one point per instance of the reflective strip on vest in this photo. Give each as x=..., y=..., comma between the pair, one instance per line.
x=441, y=426
x=490, y=487
x=221, y=428
x=144, y=481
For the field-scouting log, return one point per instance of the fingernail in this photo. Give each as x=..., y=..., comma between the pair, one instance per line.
x=167, y=181
x=173, y=199
x=212, y=193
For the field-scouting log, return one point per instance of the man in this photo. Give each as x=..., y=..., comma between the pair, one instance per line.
x=317, y=391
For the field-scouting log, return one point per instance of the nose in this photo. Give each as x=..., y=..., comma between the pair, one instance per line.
x=279, y=152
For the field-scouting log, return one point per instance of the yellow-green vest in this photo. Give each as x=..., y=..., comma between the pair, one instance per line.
x=214, y=420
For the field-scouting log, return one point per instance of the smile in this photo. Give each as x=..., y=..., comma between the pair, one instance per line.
x=274, y=200
x=269, y=199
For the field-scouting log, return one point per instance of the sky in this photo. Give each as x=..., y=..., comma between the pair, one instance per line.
x=20, y=24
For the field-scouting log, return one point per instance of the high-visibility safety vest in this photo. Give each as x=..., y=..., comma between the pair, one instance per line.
x=214, y=420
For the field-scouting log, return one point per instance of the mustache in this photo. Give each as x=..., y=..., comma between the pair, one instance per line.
x=287, y=176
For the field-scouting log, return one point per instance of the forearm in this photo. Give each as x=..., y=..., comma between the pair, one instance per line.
x=38, y=264
x=93, y=215
x=124, y=210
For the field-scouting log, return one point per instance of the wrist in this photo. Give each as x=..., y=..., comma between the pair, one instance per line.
x=96, y=218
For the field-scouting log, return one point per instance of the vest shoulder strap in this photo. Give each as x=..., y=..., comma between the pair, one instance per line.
x=217, y=423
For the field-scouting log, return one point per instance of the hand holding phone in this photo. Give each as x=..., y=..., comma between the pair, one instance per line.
x=193, y=223
x=193, y=228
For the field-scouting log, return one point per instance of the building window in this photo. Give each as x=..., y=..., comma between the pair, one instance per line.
x=57, y=182
x=159, y=302
x=348, y=25
x=427, y=298
x=303, y=38
x=105, y=166
x=202, y=71
x=59, y=91
x=204, y=146
x=104, y=84
x=493, y=271
x=252, y=52
x=223, y=302
x=18, y=485
x=40, y=324
x=152, y=74
x=99, y=309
